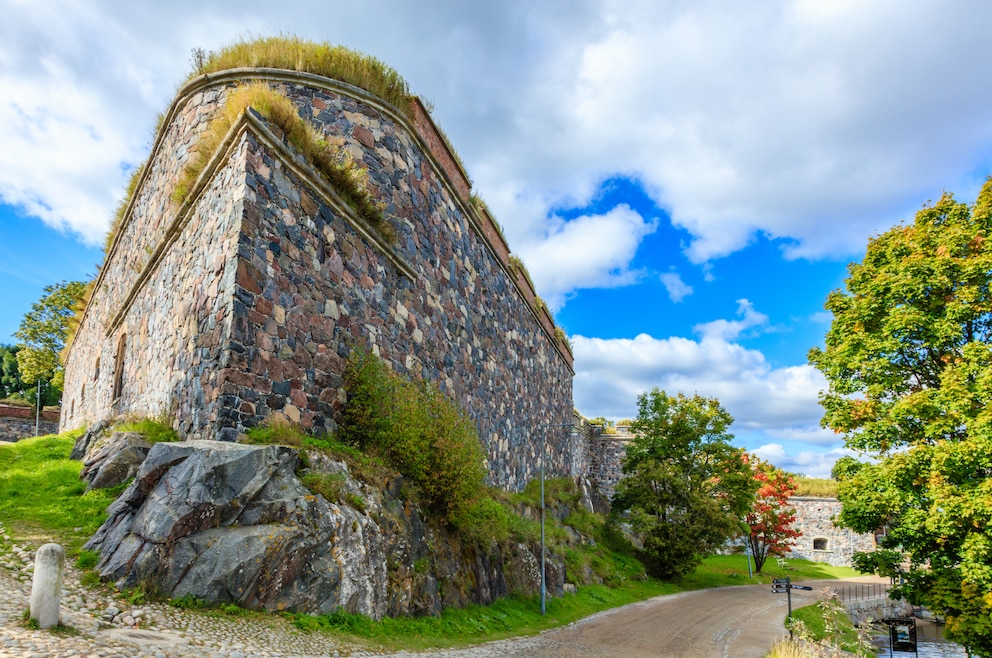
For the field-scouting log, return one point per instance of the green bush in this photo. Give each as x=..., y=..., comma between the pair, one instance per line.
x=328, y=485
x=418, y=431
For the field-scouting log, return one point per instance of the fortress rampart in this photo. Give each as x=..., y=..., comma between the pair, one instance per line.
x=243, y=302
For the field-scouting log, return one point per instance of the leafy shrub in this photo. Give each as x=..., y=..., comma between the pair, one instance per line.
x=417, y=430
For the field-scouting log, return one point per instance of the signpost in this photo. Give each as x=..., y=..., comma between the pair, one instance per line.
x=780, y=585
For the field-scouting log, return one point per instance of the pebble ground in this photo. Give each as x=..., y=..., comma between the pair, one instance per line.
x=101, y=624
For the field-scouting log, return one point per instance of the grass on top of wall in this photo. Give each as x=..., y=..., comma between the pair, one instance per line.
x=42, y=498
x=815, y=487
x=296, y=54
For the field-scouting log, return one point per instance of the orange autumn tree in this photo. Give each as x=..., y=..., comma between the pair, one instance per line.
x=770, y=519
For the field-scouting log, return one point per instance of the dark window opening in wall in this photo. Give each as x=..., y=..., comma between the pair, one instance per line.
x=820, y=544
x=96, y=371
x=82, y=394
x=72, y=408
x=119, y=369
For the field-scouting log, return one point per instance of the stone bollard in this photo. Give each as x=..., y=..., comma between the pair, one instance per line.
x=46, y=588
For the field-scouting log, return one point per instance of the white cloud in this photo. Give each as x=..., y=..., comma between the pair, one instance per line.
x=593, y=251
x=812, y=463
x=813, y=120
x=676, y=287
x=611, y=373
x=724, y=330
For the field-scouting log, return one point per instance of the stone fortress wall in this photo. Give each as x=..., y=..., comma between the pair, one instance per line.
x=821, y=541
x=243, y=303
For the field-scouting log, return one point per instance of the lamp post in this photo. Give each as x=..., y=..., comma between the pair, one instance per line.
x=544, y=589
x=37, y=408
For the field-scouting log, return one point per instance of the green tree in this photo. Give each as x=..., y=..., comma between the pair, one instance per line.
x=908, y=361
x=10, y=377
x=770, y=521
x=845, y=467
x=43, y=332
x=686, y=488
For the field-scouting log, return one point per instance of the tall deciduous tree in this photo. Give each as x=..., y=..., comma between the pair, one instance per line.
x=909, y=361
x=43, y=333
x=686, y=488
x=770, y=520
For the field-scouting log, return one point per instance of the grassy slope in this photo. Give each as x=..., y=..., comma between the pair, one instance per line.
x=41, y=496
x=837, y=630
x=42, y=499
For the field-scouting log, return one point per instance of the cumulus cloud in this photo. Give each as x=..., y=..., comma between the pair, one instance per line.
x=724, y=330
x=592, y=251
x=808, y=462
x=611, y=373
x=810, y=120
x=676, y=287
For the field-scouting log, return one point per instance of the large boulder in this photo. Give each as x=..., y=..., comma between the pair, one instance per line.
x=114, y=461
x=229, y=522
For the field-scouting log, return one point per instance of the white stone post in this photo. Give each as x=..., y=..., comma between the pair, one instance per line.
x=46, y=587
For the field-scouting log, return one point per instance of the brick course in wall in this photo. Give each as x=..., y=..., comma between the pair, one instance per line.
x=244, y=303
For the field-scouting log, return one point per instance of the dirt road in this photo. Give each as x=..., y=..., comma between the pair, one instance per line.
x=730, y=622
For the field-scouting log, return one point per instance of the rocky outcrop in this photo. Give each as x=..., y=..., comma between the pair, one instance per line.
x=229, y=522
x=115, y=460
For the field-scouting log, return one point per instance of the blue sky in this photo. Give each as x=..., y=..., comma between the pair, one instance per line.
x=686, y=181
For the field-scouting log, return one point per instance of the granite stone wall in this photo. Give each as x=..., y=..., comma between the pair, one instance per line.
x=606, y=458
x=814, y=519
x=244, y=303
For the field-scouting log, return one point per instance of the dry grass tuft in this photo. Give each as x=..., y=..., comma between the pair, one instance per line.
x=295, y=54
x=347, y=178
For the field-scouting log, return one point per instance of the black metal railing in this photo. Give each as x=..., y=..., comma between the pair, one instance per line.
x=862, y=591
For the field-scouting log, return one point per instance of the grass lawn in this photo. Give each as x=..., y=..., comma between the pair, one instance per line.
x=831, y=625
x=42, y=500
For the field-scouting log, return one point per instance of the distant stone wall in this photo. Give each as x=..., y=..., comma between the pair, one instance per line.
x=243, y=303
x=821, y=541
x=18, y=423
x=607, y=453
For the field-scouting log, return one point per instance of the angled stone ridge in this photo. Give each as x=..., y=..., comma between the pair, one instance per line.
x=244, y=302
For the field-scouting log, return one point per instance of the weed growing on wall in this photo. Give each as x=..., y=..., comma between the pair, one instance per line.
x=349, y=179
x=419, y=431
